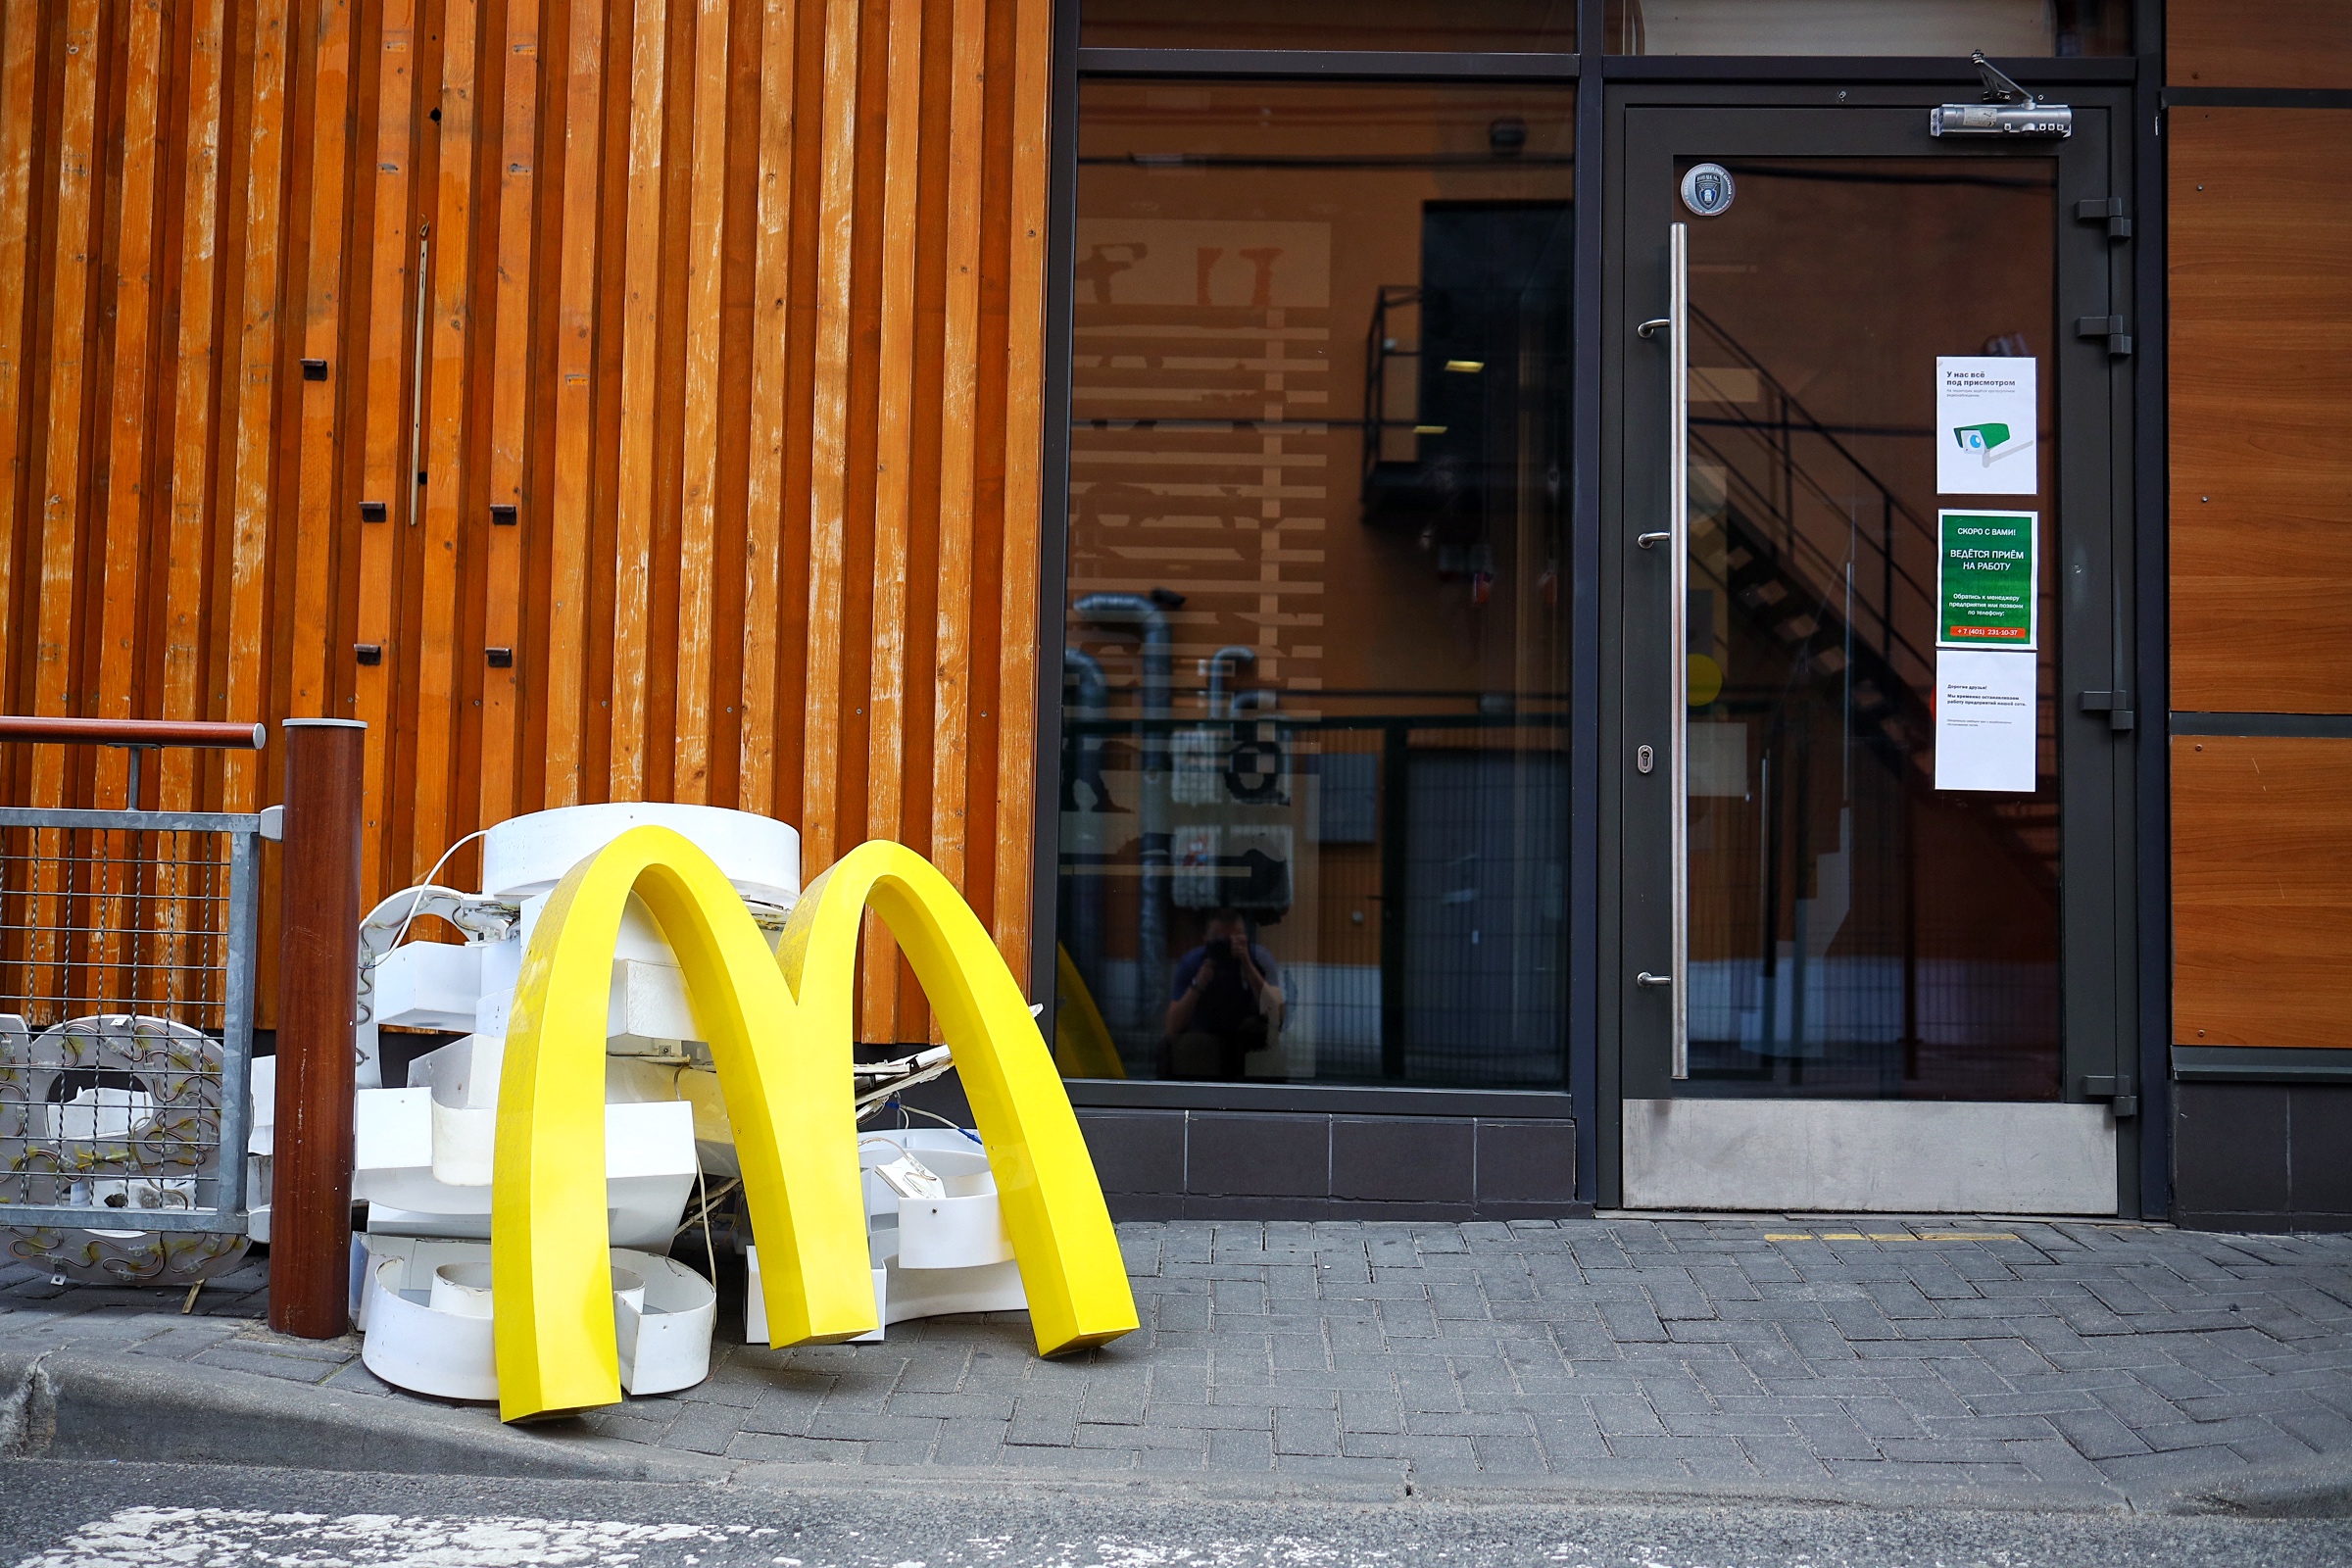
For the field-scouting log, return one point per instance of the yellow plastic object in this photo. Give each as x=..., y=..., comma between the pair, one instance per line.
x=780, y=1035
x=1082, y=1045
x=1052, y=1204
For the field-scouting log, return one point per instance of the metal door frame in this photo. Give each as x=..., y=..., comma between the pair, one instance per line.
x=2099, y=958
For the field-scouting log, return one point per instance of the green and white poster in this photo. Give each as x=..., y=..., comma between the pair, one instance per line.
x=1987, y=571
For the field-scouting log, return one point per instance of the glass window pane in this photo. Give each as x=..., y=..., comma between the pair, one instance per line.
x=2000, y=27
x=1859, y=927
x=1508, y=26
x=1314, y=776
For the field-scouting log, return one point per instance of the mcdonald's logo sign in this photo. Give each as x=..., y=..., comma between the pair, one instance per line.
x=779, y=1025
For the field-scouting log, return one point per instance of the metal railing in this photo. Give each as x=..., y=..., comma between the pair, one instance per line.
x=127, y=941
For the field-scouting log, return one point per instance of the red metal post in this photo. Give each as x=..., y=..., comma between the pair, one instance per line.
x=319, y=955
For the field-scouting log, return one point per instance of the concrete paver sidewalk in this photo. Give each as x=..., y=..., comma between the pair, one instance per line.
x=2026, y=1361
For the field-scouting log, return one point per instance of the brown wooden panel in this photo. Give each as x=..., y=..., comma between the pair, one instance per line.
x=582, y=221
x=253, y=482
x=443, y=665
x=20, y=63
x=2278, y=43
x=321, y=402
x=387, y=481
x=2262, y=892
x=633, y=515
x=893, y=460
x=1022, y=593
x=126, y=495
x=2261, y=366
x=698, y=511
x=195, y=393
x=64, y=480
x=772, y=342
x=512, y=384
x=829, y=440
x=951, y=657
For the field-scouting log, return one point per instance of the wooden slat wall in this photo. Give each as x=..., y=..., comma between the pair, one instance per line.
x=2259, y=306
x=738, y=303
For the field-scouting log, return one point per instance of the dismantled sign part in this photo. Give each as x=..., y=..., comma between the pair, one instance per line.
x=620, y=984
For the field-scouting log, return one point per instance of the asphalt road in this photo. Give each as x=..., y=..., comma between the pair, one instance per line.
x=86, y=1514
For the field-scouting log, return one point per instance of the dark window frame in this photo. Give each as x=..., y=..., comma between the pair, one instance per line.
x=1589, y=69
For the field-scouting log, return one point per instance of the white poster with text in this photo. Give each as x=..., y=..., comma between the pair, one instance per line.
x=1984, y=711
x=1986, y=432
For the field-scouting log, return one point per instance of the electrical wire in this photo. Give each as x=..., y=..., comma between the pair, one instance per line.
x=905, y=1110
x=427, y=884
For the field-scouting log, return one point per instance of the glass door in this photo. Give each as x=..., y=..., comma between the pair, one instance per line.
x=1870, y=597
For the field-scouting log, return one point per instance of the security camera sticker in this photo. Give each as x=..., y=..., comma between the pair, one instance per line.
x=1986, y=435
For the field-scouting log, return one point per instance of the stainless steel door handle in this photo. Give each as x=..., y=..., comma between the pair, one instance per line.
x=1651, y=982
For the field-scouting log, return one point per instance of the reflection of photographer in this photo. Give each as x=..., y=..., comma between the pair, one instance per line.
x=1227, y=1002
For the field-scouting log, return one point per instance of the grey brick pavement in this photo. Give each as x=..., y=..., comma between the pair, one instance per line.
x=1775, y=1351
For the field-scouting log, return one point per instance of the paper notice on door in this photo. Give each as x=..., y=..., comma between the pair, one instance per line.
x=1984, y=711
x=1987, y=438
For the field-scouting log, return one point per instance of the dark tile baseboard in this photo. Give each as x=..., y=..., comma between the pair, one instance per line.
x=2262, y=1223
x=1203, y=1164
x=2264, y=1156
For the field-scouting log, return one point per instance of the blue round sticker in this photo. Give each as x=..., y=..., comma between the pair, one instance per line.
x=1707, y=190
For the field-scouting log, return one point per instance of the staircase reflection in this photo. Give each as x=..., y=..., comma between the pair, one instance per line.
x=1827, y=578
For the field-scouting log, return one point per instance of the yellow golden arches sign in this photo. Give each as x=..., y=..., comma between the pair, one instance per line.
x=780, y=1029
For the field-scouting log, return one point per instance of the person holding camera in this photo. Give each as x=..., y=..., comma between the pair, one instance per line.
x=1227, y=1002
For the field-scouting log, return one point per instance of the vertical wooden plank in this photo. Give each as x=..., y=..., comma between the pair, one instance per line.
x=65, y=478
x=699, y=502
x=772, y=344
x=387, y=478
x=123, y=502
x=258, y=353
x=195, y=394
x=1024, y=485
x=449, y=335
x=316, y=502
x=893, y=461
x=959, y=397
x=829, y=437
x=19, y=56
x=510, y=385
x=575, y=398
x=640, y=327
x=129, y=452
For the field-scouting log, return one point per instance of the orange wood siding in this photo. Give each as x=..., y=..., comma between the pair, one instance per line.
x=2260, y=311
x=2262, y=892
x=2260, y=292
x=2271, y=43
x=738, y=303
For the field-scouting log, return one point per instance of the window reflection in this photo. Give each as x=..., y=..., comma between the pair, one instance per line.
x=1313, y=774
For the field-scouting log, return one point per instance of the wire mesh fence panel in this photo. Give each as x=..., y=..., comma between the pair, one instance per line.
x=126, y=944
